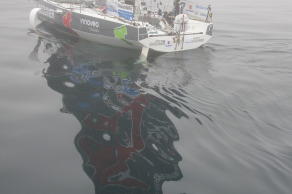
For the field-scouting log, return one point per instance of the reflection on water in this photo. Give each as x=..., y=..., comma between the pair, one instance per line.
x=126, y=138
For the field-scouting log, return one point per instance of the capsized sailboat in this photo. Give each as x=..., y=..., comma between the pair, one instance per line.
x=135, y=24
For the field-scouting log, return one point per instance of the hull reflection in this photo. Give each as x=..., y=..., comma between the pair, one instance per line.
x=126, y=139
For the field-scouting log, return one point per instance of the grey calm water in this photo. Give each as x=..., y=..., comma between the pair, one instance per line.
x=227, y=106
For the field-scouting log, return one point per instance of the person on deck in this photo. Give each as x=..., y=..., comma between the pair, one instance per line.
x=177, y=4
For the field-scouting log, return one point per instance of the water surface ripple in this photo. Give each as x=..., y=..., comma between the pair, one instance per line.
x=78, y=117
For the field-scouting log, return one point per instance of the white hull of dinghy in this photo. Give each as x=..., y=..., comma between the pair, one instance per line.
x=175, y=43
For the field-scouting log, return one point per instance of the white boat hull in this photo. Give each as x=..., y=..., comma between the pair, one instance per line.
x=175, y=43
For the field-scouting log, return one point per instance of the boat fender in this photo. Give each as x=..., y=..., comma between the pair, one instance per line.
x=179, y=19
x=33, y=20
